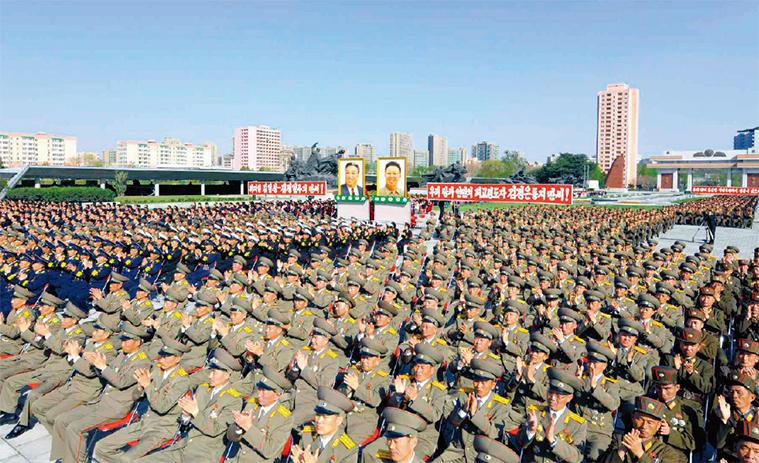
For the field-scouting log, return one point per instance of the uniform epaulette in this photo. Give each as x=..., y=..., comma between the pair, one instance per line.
x=181, y=372
x=438, y=385
x=521, y=330
x=148, y=303
x=285, y=342
x=78, y=331
x=580, y=339
x=493, y=356
x=466, y=390
x=331, y=354
x=361, y=298
x=142, y=356
x=27, y=314
x=539, y=408
x=405, y=376
x=392, y=331
x=641, y=350
x=656, y=323
x=441, y=341
x=247, y=329
x=283, y=411
x=253, y=400
x=352, y=320
x=108, y=346
x=604, y=314
x=500, y=399
x=54, y=320
x=384, y=374
x=576, y=417
x=383, y=454
x=234, y=392
x=308, y=428
x=177, y=315
x=308, y=348
x=347, y=441
x=307, y=313
x=610, y=379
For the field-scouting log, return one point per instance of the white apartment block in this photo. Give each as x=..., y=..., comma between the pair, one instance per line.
x=366, y=151
x=17, y=149
x=400, y=146
x=168, y=153
x=255, y=147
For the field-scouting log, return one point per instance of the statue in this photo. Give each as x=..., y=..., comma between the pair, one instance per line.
x=315, y=169
x=520, y=178
x=451, y=174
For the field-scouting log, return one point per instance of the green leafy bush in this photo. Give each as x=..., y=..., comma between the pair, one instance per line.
x=62, y=194
x=3, y=183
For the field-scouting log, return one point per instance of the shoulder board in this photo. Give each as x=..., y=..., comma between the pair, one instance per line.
x=628, y=299
x=283, y=411
x=347, y=442
x=576, y=417
x=361, y=298
x=142, y=356
x=205, y=385
x=382, y=373
x=54, y=320
x=493, y=356
x=177, y=315
x=610, y=380
x=148, y=302
x=108, y=346
x=307, y=313
x=351, y=320
x=332, y=354
x=285, y=342
x=580, y=339
x=500, y=399
x=247, y=329
x=604, y=315
x=641, y=350
x=404, y=376
x=27, y=314
x=308, y=348
x=441, y=341
x=78, y=331
x=466, y=390
x=181, y=372
x=233, y=392
x=308, y=428
x=439, y=385
x=392, y=331
x=537, y=407
x=521, y=330
x=383, y=454
x=655, y=323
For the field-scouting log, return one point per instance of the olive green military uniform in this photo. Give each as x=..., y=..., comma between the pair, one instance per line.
x=596, y=405
x=110, y=305
x=138, y=311
x=321, y=371
x=11, y=342
x=371, y=392
x=33, y=354
x=266, y=437
x=655, y=451
x=570, y=430
x=198, y=334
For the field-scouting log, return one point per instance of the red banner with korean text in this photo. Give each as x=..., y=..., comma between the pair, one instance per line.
x=506, y=193
x=288, y=188
x=724, y=190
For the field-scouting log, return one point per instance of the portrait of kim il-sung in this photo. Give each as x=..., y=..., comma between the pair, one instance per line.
x=351, y=176
x=391, y=176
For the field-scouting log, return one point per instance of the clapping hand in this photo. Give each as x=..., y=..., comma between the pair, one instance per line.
x=678, y=362
x=632, y=442
x=143, y=377
x=23, y=324
x=351, y=380
x=532, y=422
x=301, y=360
x=400, y=385
x=189, y=405
x=724, y=408
x=42, y=329
x=243, y=420
x=97, y=359
x=254, y=348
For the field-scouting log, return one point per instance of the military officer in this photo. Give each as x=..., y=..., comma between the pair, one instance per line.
x=735, y=405
x=570, y=347
x=110, y=305
x=642, y=443
x=552, y=432
x=162, y=386
x=632, y=363
x=681, y=428
x=514, y=337
x=196, y=331
x=265, y=423
x=460, y=372
x=597, y=400
x=695, y=375
x=205, y=416
x=141, y=307
x=233, y=338
x=11, y=342
x=325, y=437
x=595, y=325
x=531, y=381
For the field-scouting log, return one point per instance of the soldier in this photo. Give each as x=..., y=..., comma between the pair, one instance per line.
x=72, y=428
x=367, y=384
x=276, y=351
x=632, y=363
x=681, y=427
x=570, y=347
x=110, y=305
x=265, y=422
x=596, y=325
x=477, y=411
x=553, y=433
x=460, y=372
x=379, y=325
x=656, y=335
x=736, y=405
x=313, y=366
x=597, y=400
x=11, y=342
x=400, y=441
x=531, y=381
x=514, y=337
x=324, y=439
x=746, y=442
x=695, y=374
x=49, y=376
x=233, y=338
x=642, y=442
x=206, y=415
x=492, y=451
x=196, y=331
x=83, y=384
x=141, y=307
x=302, y=319
x=162, y=386
x=430, y=324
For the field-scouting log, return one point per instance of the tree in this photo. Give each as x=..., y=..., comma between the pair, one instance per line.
x=119, y=182
x=264, y=169
x=244, y=168
x=84, y=160
x=570, y=167
x=496, y=169
x=419, y=170
x=2, y=165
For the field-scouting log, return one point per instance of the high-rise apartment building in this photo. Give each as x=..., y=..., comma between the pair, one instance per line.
x=618, y=129
x=17, y=149
x=215, y=159
x=438, y=148
x=485, y=151
x=255, y=147
x=400, y=146
x=745, y=139
x=168, y=153
x=456, y=155
x=421, y=158
x=366, y=151
x=109, y=157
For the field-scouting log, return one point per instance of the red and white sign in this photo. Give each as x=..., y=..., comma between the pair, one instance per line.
x=288, y=188
x=506, y=193
x=724, y=190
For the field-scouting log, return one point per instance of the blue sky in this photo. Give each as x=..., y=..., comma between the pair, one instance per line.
x=521, y=74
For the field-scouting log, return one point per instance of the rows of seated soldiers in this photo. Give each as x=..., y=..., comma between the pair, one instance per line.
x=511, y=339
x=728, y=211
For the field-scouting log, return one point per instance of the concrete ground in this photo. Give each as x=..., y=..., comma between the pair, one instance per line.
x=32, y=447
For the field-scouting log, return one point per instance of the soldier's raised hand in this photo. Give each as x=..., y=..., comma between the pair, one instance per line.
x=400, y=385
x=243, y=420
x=724, y=408
x=532, y=422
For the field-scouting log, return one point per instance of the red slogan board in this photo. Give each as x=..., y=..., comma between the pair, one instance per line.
x=507, y=193
x=725, y=190
x=288, y=188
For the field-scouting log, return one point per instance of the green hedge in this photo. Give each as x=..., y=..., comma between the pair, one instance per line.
x=3, y=183
x=64, y=194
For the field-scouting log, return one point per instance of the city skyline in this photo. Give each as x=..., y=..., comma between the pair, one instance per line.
x=527, y=94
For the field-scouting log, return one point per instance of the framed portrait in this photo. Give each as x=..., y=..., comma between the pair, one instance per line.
x=391, y=176
x=351, y=176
